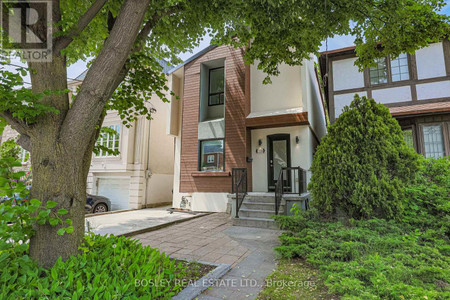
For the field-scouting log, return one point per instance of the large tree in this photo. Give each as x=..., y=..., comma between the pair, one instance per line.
x=126, y=38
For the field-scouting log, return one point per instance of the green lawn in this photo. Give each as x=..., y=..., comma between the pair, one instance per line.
x=294, y=279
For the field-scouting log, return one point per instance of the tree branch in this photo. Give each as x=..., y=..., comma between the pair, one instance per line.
x=64, y=41
x=98, y=85
x=15, y=123
x=148, y=26
x=25, y=142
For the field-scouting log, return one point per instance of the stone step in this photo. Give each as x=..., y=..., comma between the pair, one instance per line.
x=255, y=222
x=256, y=213
x=263, y=199
x=261, y=206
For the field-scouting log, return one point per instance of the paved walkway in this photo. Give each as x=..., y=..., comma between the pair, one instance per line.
x=135, y=220
x=212, y=238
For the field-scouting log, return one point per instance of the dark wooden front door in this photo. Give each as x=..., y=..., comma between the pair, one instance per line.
x=279, y=156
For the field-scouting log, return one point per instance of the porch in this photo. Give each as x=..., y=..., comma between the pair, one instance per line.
x=255, y=209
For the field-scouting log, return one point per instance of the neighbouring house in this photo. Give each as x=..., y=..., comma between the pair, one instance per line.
x=142, y=174
x=415, y=87
x=223, y=118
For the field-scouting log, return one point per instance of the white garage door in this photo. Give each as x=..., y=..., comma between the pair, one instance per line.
x=117, y=190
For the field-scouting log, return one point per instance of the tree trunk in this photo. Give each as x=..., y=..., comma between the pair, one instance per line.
x=61, y=178
x=58, y=175
x=62, y=144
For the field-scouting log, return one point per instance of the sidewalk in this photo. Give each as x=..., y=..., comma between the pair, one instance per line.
x=134, y=221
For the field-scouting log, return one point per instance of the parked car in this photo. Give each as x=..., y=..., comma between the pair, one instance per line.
x=94, y=204
x=97, y=204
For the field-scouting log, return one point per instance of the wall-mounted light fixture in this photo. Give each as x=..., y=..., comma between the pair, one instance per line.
x=297, y=139
x=260, y=148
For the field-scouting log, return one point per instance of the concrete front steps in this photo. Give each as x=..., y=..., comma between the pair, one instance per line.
x=257, y=210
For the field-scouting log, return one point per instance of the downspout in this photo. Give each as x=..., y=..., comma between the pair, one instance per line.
x=146, y=129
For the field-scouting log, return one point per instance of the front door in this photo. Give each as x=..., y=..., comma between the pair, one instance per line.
x=279, y=156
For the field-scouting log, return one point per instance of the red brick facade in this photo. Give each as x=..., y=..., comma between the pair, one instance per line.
x=236, y=109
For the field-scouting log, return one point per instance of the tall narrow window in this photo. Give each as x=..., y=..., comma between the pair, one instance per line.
x=379, y=74
x=216, y=94
x=24, y=156
x=433, y=141
x=399, y=68
x=408, y=137
x=109, y=142
x=211, y=155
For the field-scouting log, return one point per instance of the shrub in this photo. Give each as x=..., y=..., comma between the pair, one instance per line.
x=362, y=164
x=427, y=198
x=371, y=259
x=106, y=268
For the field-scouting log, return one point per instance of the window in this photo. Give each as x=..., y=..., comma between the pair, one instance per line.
x=389, y=70
x=379, y=74
x=216, y=94
x=408, y=137
x=109, y=142
x=399, y=68
x=24, y=156
x=433, y=141
x=211, y=155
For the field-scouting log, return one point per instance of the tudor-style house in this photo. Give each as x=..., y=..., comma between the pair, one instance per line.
x=224, y=117
x=139, y=171
x=415, y=87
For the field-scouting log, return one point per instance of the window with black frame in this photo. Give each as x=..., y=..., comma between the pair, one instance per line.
x=216, y=95
x=211, y=155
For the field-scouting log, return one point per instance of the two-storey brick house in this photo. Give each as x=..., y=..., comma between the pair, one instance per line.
x=224, y=117
x=415, y=87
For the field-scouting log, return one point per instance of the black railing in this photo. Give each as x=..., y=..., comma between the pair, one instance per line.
x=239, y=182
x=291, y=180
x=279, y=191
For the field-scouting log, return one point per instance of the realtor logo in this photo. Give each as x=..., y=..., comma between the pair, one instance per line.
x=27, y=29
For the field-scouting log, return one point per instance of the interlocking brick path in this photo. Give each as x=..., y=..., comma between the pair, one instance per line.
x=213, y=239
x=200, y=239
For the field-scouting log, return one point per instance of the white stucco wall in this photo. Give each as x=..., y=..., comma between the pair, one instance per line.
x=433, y=90
x=313, y=103
x=346, y=75
x=159, y=188
x=212, y=202
x=392, y=95
x=285, y=91
x=301, y=153
x=430, y=61
x=342, y=100
x=177, y=196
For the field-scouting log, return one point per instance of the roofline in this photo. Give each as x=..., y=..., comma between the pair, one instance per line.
x=338, y=51
x=196, y=55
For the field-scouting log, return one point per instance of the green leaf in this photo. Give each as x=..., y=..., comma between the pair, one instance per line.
x=62, y=211
x=51, y=204
x=35, y=202
x=54, y=221
x=61, y=231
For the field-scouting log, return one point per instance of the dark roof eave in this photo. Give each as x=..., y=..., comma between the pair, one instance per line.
x=196, y=55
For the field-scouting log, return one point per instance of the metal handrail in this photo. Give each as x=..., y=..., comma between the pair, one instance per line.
x=239, y=186
x=279, y=191
x=290, y=188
